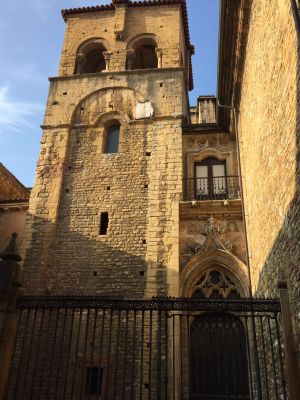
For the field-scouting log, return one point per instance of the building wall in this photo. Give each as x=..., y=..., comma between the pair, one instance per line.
x=142, y=20
x=139, y=255
x=12, y=219
x=10, y=187
x=269, y=136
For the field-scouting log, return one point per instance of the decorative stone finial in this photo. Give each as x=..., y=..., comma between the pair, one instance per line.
x=10, y=253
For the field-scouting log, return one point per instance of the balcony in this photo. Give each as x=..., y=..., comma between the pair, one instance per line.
x=215, y=188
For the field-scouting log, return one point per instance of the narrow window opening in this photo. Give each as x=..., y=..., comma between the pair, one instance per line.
x=93, y=381
x=144, y=241
x=146, y=186
x=95, y=273
x=112, y=139
x=148, y=154
x=108, y=188
x=103, y=223
x=142, y=273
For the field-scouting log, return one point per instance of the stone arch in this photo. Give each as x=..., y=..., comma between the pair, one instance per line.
x=117, y=99
x=204, y=261
x=146, y=36
x=91, y=56
x=142, y=52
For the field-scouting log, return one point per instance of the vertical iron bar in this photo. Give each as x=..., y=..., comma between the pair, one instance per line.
x=76, y=356
x=101, y=350
x=249, y=358
x=181, y=355
x=44, y=352
x=125, y=355
x=258, y=377
x=108, y=357
x=82, y=385
x=142, y=356
x=52, y=354
x=133, y=355
x=280, y=357
x=158, y=395
x=273, y=357
x=68, y=354
x=117, y=354
x=173, y=358
x=150, y=358
x=264, y=356
x=166, y=380
x=28, y=354
x=92, y=344
x=37, y=354
x=14, y=354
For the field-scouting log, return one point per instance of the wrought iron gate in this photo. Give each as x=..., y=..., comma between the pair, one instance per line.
x=100, y=348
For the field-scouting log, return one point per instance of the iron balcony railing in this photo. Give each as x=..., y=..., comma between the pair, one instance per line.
x=216, y=188
x=91, y=348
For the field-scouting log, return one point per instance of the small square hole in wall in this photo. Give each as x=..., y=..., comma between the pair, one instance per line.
x=78, y=141
x=142, y=273
x=107, y=187
x=95, y=273
x=81, y=108
x=148, y=154
x=55, y=102
x=161, y=84
x=67, y=190
x=65, y=93
x=146, y=385
x=144, y=241
x=69, y=167
x=146, y=186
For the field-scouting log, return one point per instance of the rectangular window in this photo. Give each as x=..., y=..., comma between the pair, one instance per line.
x=93, y=380
x=112, y=139
x=103, y=223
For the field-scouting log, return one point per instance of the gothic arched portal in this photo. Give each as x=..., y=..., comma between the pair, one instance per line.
x=218, y=358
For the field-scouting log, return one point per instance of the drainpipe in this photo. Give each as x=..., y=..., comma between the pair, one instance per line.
x=295, y=11
x=253, y=323
x=219, y=105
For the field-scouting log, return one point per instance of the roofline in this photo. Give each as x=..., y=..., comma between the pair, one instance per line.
x=146, y=3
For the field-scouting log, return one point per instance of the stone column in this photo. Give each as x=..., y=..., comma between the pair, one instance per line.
x=107, y=57
x=291, y=356
x=159, y=54
x=9, y=283
x=130, y=58
x=80, y=63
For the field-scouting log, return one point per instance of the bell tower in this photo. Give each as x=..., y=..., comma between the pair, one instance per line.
x=104, y=210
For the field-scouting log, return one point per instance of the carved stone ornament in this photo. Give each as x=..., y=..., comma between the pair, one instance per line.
x=212, y=229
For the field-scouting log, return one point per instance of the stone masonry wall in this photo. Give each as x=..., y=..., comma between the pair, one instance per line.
x=140, y=187
x=143, y=20
x=269, y=135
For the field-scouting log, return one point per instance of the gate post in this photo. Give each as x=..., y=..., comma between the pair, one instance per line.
x=291, y=357
x=9, y=283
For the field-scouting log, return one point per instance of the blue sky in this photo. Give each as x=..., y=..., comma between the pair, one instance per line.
x=31, y=36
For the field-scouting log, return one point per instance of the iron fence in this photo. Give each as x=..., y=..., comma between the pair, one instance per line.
x=215, y=188
x=95, y=348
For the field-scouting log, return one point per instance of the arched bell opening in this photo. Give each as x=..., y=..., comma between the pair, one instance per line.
x=144, y=54
x=90, y=58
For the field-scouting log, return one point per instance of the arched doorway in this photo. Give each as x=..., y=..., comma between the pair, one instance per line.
x=218, y=358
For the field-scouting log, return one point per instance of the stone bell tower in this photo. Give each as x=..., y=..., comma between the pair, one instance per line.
x=104, y=210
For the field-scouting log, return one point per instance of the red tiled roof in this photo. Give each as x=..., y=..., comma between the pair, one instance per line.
x=145, y=3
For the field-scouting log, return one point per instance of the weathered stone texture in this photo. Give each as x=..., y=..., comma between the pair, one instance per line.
x=268, y=124
x=10, y=187
x=140, y=187
x=140, y=21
